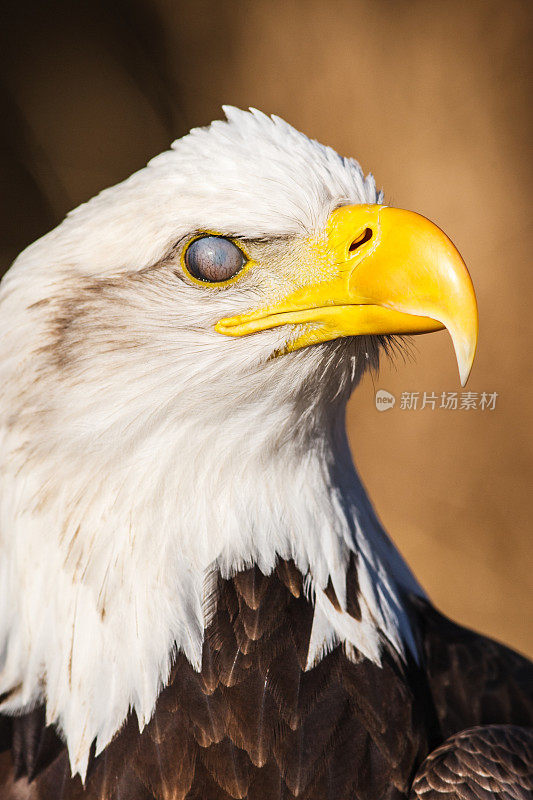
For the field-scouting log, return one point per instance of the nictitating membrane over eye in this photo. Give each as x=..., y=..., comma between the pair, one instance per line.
x=213, y=259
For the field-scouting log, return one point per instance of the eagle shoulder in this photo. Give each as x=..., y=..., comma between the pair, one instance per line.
x=492, y=761
x=473, y=679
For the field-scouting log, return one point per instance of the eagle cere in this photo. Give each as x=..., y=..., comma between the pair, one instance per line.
x=197, y=599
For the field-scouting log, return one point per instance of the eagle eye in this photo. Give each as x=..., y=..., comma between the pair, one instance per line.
x=213, y=259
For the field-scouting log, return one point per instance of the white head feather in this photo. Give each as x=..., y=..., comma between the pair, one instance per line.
x=140, y=450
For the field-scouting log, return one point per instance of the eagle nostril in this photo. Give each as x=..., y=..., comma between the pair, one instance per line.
x=361, y=239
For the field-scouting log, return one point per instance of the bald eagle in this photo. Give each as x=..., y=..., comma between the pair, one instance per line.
x=197, y=599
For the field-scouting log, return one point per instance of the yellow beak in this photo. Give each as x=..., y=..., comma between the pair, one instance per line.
x=375, y=270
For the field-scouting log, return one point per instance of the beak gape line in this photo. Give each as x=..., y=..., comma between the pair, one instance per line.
x=380, y=270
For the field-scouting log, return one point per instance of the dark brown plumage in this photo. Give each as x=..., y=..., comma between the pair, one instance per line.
x=254, y=724
x=494, y=761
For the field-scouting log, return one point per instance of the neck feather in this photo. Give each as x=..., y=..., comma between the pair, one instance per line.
x=94, y=612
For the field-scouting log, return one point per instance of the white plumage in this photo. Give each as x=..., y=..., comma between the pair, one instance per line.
x=140, y=450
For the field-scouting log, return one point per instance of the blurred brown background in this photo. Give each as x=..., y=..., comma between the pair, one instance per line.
x=432, y=97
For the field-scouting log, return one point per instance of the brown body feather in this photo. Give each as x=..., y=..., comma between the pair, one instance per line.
x=254, y=724
x=493, y=761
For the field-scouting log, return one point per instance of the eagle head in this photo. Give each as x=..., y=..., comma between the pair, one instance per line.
x=175, y=360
